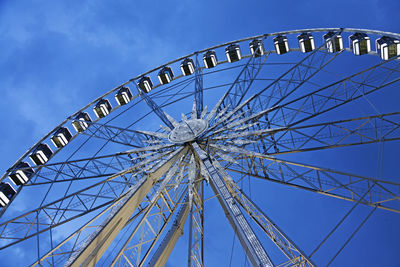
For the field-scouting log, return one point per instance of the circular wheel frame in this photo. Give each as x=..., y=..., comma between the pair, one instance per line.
x=294, y=115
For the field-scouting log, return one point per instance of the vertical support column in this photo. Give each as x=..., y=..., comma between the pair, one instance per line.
x=202, y=222
x=97, y=243
x=196, y=229
x=161, y=255
x=190, y=236
x=249, y=241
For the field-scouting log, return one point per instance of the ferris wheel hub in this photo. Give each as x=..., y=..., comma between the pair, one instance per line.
x=187, y=130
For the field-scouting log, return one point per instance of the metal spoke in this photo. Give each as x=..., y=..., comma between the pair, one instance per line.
x=96, y=167
x=386, y=194
x=296, y=76
x=118, y=135
x=74, y=205
x=282, y=140
x=340, y=222
x=358, y=131
x=334, y=95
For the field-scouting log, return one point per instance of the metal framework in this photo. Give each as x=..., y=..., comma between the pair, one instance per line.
x=122, y=191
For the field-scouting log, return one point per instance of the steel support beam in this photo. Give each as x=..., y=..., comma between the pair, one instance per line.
x=385, y=195
x=250, y=243
x=168, y=243
x=89, y=199
x=71, y=243
x=357, y=131
x=325, y=135
x=196, y=228
x=151, y=226
x=296, y=76
x=334, y=95
x=96, y=167
x=295, y=255
x=117, y=135
x=92, y=250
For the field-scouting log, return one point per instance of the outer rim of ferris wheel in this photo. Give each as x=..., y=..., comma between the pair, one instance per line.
x=191, y=129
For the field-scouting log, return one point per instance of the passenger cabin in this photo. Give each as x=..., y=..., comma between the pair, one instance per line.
x=333, y=43
x=23, y=173
x=80, y=123
x=165, y=75
x=387, y=47
x=187, y=67
x=61, y=137
x=256, y=48
x=233, y=53
x=123, y=96
x=102, y=108
x=145, y=84
x=306, y=42
x=6, y=193
x=210, y=59
x=41, y=154
x=360, y=44
x=281, y=44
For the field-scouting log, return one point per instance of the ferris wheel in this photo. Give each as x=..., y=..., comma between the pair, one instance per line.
x=118, y=181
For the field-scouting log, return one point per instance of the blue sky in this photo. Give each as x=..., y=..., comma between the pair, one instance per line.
x=57, y=56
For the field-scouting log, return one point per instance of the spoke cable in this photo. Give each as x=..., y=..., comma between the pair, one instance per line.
x=341, y=221
x=352, y=235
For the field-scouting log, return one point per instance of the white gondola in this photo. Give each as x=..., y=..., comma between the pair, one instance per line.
x=22, y=175
x=6, y=193
x=41, y=154
x=233, y=53
x=281, y=44
x=80, y=123
x=145, y=84
x=360, y=44
x=61, y=137
x=102, y=108
x=210, y=59
x=123, y=96
x=387, y=47
x=333, y=43
x=306, y=42
x=257, y=48
x=187, y=67
x=165, y=75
